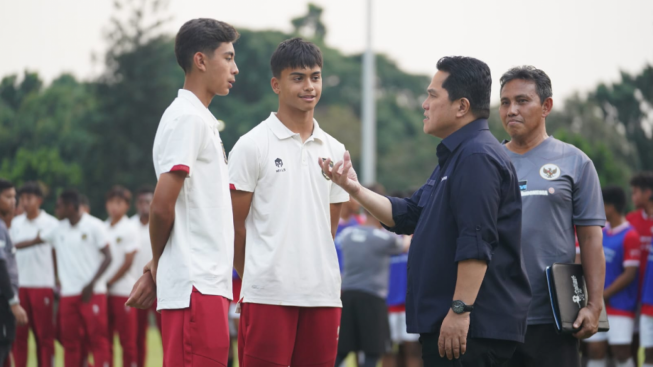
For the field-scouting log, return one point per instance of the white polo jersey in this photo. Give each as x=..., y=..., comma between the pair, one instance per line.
x=144, y=254
x=35, y=264
x=290, y=257
x=199, y=252
x=123, y=239
x=78, y=253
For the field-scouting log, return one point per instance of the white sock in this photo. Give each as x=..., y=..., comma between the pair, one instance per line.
x=628, y=363
x=597, y=363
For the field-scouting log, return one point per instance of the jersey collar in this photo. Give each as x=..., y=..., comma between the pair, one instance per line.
x=282, y=132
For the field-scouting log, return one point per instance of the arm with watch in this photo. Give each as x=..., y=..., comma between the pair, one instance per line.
x=453, y=333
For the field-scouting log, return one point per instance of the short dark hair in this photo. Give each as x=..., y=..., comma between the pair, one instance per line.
x=642, y=180
x=468, y=78
x=70, y=197
x=119, y=192
x=295, y=53
x=145, y=189
x=615, y=196
x=5, y=185
x=532, y=74
x=32, y=188
x=201, y=35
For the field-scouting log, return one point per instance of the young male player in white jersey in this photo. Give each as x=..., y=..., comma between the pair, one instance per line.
x=37, y=280
x=191, y=220
x=286, y=213
x=143, y=256
x=83, y=256
x=122, y=274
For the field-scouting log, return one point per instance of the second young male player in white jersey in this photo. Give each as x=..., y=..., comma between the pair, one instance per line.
x=191, y=221
x=37, y=280
x=286, y=213
x=122, y=274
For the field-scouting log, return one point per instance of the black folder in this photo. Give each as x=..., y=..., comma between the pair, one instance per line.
x=568, y=294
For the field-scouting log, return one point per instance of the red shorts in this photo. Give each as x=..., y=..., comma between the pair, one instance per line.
x=271, y=335
x=123, y=321
x=91, y=318
x=197, y=336
x=143, y=322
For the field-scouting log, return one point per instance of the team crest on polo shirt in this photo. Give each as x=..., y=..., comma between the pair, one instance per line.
x=550, y=171
x=84, y=236
x=118, y=240
x=224, y=153
x=324, y=174
x=279, y=163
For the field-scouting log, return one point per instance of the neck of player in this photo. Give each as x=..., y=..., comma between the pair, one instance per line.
x=195, y=85
x=75, y=218
x=144, y=218
x=33, y=214
x=523, y=144
x=616, y=220
x=648, y=209
x=115, y=220
x=298, y=121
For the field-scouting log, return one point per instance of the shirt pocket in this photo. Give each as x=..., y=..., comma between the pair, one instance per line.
x=427, y=191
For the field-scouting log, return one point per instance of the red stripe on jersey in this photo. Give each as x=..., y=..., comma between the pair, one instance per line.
x=647, y=310
x=397, y=308
x=614, y=312
x=232, y=187
x=180, y=167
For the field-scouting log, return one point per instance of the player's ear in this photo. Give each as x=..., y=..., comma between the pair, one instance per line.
x=274, y=83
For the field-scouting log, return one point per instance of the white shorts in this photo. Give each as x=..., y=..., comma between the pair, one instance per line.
x=646, y=331
x=398, y=331
x=620, y=333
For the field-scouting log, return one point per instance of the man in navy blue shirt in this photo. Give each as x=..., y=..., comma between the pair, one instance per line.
x=468, y=292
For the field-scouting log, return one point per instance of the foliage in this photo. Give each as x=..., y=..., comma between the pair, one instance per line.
x=92, y=135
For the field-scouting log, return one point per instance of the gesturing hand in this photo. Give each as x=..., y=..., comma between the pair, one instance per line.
x=453, y=335
x=342, y=173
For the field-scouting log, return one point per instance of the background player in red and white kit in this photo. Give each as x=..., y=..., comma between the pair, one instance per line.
x=191, y=221
x=286, y=213
x=83, y=256
x=622, y=255
x=641, y=218
x=143, y=256
x=37, y=280
x=122, y=274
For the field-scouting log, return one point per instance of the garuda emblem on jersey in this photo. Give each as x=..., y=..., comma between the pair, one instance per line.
x=550, y=171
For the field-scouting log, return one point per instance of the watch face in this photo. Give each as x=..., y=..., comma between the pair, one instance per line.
x=458, y=307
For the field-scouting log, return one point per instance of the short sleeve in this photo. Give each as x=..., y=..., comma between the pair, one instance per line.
x=4, y=242
x=632, y=250
x=181, y=143
x=587, y=197
x=475, y=205
x=48, y=235
x=244, y=165
x=100, y=236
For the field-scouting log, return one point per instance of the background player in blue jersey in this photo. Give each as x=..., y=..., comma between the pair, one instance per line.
x=622, y=252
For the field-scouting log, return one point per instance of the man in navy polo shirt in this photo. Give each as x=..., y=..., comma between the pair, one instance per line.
x=468, y=292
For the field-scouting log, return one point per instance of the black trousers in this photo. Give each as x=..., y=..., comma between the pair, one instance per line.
x=480, y=352
x=544, y=347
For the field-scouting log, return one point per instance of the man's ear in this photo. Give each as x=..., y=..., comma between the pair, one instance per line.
x=464, y=107
x=547, y=106
x=200, y=60
x=274, y=83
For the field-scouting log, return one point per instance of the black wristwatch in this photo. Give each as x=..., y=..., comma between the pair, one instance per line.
x=459, y=307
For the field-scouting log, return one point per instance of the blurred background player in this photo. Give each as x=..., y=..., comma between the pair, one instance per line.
x=11, y=313
x=143, y=256
x=122, y=274
x=646, y=318
x=406, y=351
x=622, y=256
x=83, y=256
x=349, y=216
x=37, y=277
x=364, y=323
